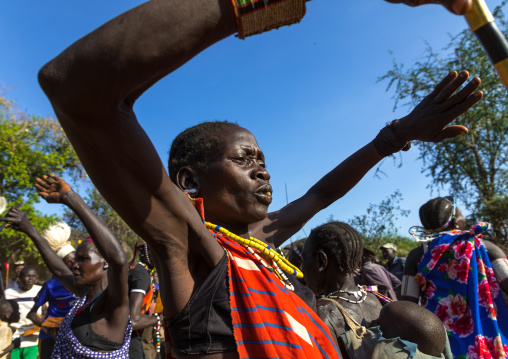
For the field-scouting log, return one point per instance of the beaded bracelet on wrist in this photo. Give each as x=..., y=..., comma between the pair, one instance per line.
x=257, y=16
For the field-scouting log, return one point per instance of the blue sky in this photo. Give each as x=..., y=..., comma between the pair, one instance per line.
x=308, y=92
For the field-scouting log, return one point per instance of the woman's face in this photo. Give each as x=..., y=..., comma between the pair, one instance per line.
x=88, y=266
x=236, y=185
x=69, y=259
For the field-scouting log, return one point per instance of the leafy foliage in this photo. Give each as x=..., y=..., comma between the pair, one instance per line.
x=377, y=225
x=107, y=214
x=472, y=166
x=30, y=146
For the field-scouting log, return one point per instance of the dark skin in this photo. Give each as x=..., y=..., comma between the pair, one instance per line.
x=388, y=254
x=32, y=314
x=27, y=279
x=111, y=310
x=494, y=253
x=324, y=277
x=140, y=321
x=93, y=98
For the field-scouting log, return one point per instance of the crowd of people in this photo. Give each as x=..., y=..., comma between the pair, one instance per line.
x=225, y=290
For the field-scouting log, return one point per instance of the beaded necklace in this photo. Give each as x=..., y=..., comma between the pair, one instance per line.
x=279, y=263
x=157, y=329
x=360, y=295
x=84, y=306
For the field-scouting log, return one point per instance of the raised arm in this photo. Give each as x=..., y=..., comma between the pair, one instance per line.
x=93, y=85
x=56, y=190
x=427, y=122
x=18, y=221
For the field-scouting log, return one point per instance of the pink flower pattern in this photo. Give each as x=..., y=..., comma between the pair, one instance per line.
x=453, y=263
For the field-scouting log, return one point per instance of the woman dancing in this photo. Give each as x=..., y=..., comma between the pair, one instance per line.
x=98, y=326
x=246, y=307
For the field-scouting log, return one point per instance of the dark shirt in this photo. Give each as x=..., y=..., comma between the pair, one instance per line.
x=139, y=281
x=396, y=267
x=374, y=274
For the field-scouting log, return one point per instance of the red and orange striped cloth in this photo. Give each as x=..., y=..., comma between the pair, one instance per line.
x=269, y=321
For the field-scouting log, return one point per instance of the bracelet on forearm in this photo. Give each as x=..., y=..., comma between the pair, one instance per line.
x=257, y=16
x=387, y=142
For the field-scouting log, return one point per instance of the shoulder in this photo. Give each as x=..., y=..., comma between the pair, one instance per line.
x=413, y=258
x=400, y=260
x=12, y=293
x=331, y=316
x=34, y=290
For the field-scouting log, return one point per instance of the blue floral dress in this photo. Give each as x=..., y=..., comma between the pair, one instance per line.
x=458, y=285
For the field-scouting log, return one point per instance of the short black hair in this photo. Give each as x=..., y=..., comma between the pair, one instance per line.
x=197, y=146
x=435, y=213
x=5, y=307
x=413, y=323
x=26, y=269
x=339, y=241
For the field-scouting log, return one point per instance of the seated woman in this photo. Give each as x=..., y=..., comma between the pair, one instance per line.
x=98, y=326
x=330, y=257
x=451, y=275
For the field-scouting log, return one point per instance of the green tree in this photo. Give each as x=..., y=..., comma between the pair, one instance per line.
x=377, y=225
x=106, y=213
x=472, y=166
x=30, y=146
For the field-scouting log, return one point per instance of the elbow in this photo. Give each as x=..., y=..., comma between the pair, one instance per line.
x=50, y=80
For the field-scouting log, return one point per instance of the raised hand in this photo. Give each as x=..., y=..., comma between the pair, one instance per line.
x=52, y=188
x=459, y=7
x=428, y=121
x=17, y=220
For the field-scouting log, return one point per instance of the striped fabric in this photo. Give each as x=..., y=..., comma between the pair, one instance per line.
x=270, y=321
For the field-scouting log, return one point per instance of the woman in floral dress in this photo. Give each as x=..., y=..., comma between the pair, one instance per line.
x=451, y=275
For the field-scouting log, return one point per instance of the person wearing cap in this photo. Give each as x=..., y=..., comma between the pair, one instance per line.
x=395, y=265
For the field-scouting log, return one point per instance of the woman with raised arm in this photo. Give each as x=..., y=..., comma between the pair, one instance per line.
x=242, y=305
x=98, y=326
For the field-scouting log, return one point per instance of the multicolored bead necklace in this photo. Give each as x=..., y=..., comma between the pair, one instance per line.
x=279, y=263
x=157, y=329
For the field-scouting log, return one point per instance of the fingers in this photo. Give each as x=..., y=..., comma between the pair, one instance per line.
x=466, y=91
x=55, y=177
x=450, y=132
x=445, y=82
x=465, y=105
x=451, y=87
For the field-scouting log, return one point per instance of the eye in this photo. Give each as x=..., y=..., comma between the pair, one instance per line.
x=262, y=163
x=240, y=159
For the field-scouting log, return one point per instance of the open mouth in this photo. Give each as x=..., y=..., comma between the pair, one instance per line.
x=264, y=194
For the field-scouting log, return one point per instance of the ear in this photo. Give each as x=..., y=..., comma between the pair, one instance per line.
x=187, y=180
x=322, y=260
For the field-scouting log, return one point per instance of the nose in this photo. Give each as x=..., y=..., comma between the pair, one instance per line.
x=74, y=265
x=261, y=173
